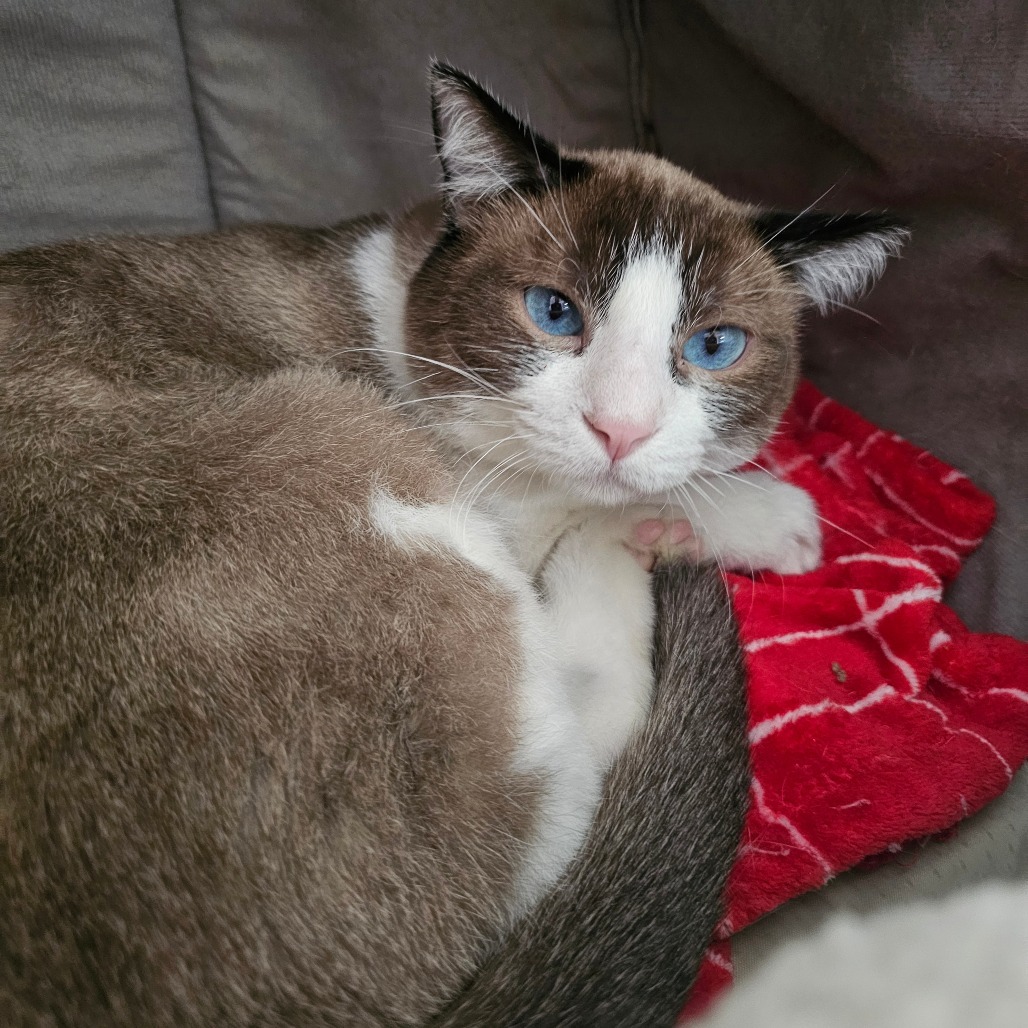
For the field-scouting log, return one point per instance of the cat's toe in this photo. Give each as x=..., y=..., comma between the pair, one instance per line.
x=800, y=549
x=647, y=533
x=799, y=555
x=680, y=533
x=655, y=538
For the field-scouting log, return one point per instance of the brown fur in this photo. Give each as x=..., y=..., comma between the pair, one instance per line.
x=239, y=302
x=218, y=761
x=615, y=944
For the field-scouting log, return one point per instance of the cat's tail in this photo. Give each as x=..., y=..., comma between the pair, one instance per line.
x=619, y=941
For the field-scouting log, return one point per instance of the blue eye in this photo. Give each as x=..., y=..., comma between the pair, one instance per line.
x=715, y=348
x=553, y=312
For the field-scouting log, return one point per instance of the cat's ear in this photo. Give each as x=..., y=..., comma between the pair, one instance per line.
x=832, y=257
x=483, y=148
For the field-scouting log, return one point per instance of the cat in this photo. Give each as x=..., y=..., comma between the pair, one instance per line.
x=352, y=672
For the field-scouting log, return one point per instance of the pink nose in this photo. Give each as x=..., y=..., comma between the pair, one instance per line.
x=619, y=438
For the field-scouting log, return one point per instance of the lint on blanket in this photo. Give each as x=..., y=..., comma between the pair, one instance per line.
x=876, y=717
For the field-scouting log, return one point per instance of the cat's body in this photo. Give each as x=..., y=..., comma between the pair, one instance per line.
x=324, y=615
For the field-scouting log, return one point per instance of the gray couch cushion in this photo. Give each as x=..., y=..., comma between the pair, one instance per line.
x=313, y=112
x=97, y=132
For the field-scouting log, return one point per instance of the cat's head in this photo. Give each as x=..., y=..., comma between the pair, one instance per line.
x=605, y=320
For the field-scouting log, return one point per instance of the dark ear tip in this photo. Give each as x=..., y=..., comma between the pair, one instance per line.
x=894, y=232
x=438, y=69
x=442, y=73
x=813, y=226
x=888, y=224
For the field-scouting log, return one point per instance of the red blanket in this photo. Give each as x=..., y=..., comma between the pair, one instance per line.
x=875, y=716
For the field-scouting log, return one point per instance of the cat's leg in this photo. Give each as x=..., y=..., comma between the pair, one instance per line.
x=752, y=521
x=596, y=588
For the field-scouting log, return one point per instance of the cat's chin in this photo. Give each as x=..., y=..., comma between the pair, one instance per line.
x=614, y=487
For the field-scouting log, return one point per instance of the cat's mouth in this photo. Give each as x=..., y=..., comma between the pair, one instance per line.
x=613, y=483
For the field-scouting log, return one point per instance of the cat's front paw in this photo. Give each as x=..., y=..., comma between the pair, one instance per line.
x=800, y=548
x=784, y=531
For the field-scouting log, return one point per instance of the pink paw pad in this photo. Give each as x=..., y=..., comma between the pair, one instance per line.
x=648, y=532
x=681, y=532
x=653, y=537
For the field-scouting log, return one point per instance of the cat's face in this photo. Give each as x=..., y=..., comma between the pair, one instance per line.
x=603, y=320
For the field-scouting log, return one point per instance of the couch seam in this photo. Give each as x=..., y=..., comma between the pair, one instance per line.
x=633, y=36
x=201, y=133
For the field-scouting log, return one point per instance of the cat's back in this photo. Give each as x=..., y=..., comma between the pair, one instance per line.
x=243, y=300
x=249, y=733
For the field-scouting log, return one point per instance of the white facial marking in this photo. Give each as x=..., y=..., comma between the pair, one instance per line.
x=624, y=377
x=625, y=368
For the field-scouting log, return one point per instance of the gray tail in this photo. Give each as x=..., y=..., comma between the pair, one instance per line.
x=619, y=942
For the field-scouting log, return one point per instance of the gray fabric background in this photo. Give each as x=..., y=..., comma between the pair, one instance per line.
x=155, y=115
x=97, y=129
